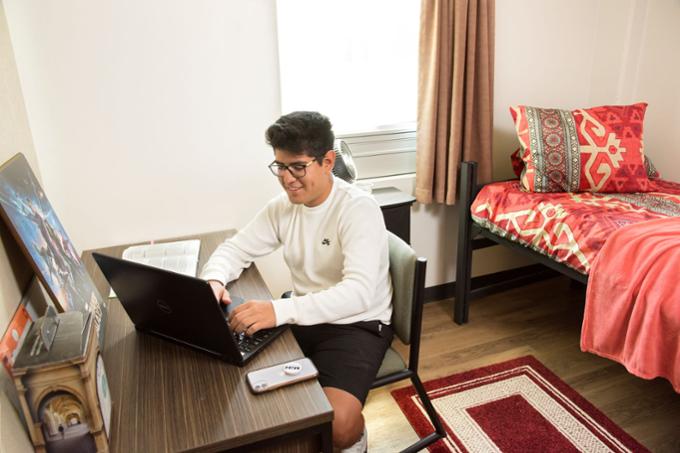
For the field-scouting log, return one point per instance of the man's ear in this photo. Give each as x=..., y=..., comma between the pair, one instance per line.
x=329, y=159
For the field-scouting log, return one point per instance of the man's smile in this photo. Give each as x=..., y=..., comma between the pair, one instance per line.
x=293, y=189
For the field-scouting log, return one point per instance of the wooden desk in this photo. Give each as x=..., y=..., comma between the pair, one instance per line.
x=171, y=398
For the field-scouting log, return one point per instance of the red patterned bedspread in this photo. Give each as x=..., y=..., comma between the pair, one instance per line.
x=632, y=312
x=569, y=227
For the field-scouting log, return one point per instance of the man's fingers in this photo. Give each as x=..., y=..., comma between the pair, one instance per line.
x=236, y=311
x=251, y=317
x=219, y=291
x=241, y=322
x=236, y=322
x=253, y=328
x=244, y=307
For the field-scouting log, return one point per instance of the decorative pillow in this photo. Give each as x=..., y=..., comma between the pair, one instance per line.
x=518, y=166
x=598, y=149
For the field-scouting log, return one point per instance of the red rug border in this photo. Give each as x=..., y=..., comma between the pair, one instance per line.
x=423, y=427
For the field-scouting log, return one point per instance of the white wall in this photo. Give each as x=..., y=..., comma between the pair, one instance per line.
x=149, y=117
x=15, y=137
x=654, y=68
x=15, y=272
x=146, y=115
x=583, y=53
x=565, y=54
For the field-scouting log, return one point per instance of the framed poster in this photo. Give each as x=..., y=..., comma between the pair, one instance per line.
x=42, y=238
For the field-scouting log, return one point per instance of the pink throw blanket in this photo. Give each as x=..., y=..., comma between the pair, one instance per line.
x=632, y=312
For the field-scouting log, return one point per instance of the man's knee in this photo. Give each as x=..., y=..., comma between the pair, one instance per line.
x=347, y=427
x=348, y=423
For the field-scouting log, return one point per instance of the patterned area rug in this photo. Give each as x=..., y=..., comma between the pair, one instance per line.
x=514, y=406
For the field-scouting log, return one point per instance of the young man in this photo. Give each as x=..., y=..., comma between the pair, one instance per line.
x=335, y=246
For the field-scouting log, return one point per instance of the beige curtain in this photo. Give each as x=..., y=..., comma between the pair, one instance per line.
x=455, y=94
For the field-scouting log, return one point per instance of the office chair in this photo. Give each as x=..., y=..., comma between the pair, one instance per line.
x=408, y=284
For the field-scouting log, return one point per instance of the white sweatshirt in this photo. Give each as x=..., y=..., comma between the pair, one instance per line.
x=337, y=254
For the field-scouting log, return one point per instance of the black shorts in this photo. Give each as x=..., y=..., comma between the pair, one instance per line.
x=348, y=356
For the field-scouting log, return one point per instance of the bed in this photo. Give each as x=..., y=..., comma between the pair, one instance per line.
x=588, y=204
x=564, y=231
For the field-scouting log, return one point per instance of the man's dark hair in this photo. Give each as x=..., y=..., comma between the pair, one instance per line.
x=307, y=133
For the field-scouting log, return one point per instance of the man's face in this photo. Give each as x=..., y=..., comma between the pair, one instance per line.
x=312, y=188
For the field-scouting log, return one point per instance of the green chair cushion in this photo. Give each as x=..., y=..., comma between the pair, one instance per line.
x=391, y=363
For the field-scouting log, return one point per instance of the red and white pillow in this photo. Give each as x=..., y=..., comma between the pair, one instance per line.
x=599, y=149
x=518, y=165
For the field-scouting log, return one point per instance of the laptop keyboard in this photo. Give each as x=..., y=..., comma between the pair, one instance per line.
x=247, y=344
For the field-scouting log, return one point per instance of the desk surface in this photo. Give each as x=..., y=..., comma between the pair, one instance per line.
x=389, y=197
x=170, y=398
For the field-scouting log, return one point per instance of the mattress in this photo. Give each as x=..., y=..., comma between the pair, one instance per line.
x=569, y=228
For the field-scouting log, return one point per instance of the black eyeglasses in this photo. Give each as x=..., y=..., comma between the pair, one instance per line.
x=298, y=169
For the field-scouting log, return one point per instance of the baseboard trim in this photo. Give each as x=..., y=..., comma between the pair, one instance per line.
x=493, y=283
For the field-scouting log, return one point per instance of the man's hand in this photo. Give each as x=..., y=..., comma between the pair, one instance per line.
x=252, y=316
x=221, y=293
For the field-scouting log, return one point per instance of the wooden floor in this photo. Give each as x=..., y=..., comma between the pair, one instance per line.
x=544, y=320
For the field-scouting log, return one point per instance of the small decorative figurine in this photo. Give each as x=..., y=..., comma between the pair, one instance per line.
x=62, y=385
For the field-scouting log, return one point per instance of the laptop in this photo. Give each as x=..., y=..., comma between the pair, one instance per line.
x=181, y=309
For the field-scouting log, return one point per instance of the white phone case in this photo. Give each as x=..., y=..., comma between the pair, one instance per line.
x=276, y=376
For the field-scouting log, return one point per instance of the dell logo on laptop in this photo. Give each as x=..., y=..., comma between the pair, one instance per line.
x=165, y=308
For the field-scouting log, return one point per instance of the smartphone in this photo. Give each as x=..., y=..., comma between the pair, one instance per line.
x=276, y=376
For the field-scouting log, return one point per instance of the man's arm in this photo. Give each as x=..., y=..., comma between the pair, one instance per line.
x=258, y=238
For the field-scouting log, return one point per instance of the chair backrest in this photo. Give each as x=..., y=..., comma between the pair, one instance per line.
x=403, y=273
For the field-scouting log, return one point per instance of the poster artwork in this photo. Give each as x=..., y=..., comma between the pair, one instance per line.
x=43, y=239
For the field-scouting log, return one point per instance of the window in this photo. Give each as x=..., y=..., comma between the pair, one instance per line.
x=355, y=61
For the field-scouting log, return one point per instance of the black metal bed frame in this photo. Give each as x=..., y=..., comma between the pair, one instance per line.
x=473, y=237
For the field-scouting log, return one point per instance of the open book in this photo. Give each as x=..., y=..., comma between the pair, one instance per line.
x=178, y=256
